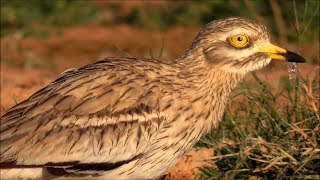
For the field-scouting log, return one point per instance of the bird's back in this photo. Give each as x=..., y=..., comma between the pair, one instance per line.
x=101, y=118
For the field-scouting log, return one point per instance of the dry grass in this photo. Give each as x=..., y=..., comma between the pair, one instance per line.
x=268, y=135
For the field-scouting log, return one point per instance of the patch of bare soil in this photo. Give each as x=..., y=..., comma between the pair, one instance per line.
x=80, y=45
x=17, y=85
x=187, y=167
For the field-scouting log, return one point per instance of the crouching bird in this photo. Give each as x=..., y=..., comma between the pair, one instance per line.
x=132, y=118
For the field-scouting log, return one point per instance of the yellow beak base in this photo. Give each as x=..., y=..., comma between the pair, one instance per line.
x=278, y=53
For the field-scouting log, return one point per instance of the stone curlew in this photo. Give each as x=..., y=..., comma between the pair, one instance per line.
x=129, y=118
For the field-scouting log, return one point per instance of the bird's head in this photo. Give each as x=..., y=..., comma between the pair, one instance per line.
x=240, y=45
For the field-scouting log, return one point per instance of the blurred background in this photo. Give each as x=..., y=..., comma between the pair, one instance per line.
x=42, y=38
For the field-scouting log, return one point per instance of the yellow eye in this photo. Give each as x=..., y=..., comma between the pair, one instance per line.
x=239, y=41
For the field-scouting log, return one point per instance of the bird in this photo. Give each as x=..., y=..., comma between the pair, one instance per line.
x=132, y=118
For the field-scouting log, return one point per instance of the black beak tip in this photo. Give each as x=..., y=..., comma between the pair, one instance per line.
x=293, y=57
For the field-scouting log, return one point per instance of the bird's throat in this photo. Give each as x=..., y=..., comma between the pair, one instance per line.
x=215, y=88
x=210, y=87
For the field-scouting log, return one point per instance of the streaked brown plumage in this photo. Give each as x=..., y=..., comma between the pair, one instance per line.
x=128, y=118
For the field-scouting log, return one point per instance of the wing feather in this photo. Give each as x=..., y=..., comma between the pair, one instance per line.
x=101, y=113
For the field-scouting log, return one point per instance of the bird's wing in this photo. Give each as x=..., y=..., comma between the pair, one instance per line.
x=103, y=113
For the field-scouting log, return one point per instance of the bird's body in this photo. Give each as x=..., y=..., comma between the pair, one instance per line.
x=124, y=118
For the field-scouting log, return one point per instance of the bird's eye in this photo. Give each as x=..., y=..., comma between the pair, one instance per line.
x=239, y=41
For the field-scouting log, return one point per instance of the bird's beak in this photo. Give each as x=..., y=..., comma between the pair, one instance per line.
x=278, y=53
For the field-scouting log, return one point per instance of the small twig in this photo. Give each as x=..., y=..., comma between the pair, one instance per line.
x=162, y=48
x=273, y=163
x=305, y=161
x=15, y=99
x=287, y=155
x=122, y=51
x=310, y=98
x=296, y=17
x=3, y=109
x=223, y=156
x=310, y=20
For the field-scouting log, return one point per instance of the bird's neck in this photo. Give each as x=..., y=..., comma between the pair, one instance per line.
x=208, y=75
x=211, y=85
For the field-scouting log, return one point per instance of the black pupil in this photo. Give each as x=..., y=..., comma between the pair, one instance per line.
x=239, y=38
